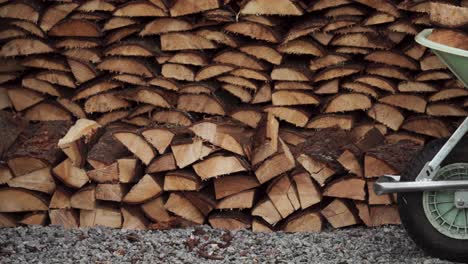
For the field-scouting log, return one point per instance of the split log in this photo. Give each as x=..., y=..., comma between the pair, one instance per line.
x=25, y=201
x=186, y=7
x=247, y=116
x=374, y=216
x=5, y=174
x=265, y=142
x=75, y=28
x=47, y=111
x=185, y=41
x=21, y=10
x=200, y=103
x=416, y=87
x=218, y=165
x=293, y=97
x=148, y=187
x=406, y=101
x=283, y=194
x=84, y=198
x=24, y=46
x=7, y=220
x=212, y=70
x=101, y=216
x=154, y=210
x=12, y=126
x=442, y=109
x=165, y=25
x=67, y=218
x=450, y=38
x=253, y=30
x=230, y=221
x=360, y=40
x=181, y=206
x=182, y=181
x=172, y=117
x=336, y=72
x=22, y=99
x=36, y=218
x=137, y=145
x=344, y=122
x=263, y=52
x=107, y=149
x=279, y=163
x=262, y=7
x=241, y=200
x=348, y=102
x=189, y=150
x=339, y=213
x=165, y=162
x=110, y=192
x=389, y=158
x=308, y=192
x=304, y=221
x=160, y=138
x=40, y=180
x=291, y=115
x=55, y=13
x=387, y=115
x=70, y=175
x=133, y=218
x=126, y=65
x=393, y=58
x=232, y=184
x=138, y=9
x=36, y=147
x=426, y=126
x=73, y=144
x=349, y=187
x=447, y=15
x=60, y=199
x=261, y=226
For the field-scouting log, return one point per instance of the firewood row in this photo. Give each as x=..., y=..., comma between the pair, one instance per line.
x=258, y=114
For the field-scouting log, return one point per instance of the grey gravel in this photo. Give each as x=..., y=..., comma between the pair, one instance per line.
x=207, y=245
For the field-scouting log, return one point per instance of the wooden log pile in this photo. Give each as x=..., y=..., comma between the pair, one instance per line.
x=269, y=115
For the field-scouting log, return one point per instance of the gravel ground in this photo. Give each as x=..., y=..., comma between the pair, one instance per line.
x=207, y=245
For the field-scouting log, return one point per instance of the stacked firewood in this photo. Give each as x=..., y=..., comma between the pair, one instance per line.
x=270, y=115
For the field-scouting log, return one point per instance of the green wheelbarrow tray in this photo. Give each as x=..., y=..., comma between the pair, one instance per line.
x=455, y=59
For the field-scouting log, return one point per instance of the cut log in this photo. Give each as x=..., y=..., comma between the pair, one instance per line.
x=181, y=206
x=40, y=180
x=24, y=98
x=118, y=22
x=46, y=111
x=291, y=115
x=400, y=136
x=218, y=165
x=55, y=13
x=73, y=144
x=96, y=5
x=12, y=127
x=388, y=71
x=154, y=210
x=345, y=122
x=84, y=198
x=267, y=211
x=110, y=192
x=446, y=109
x=238, y=81
x=165, y=25
x=24, y=46
x=231, y=184
x=24, y=201
x=178, y=72
x=360, y=40
x=137, y=145
x=148, y=187
x=189, y=58
x=307, y=191
x=71, y=176
x=165, y=162
x=265, y=142
x=111, y=117
x=133, y=218
x=172, y=117
x=431, y=62
x=67, y=218
x=350, y=188
x=263, y=7
x=230, y=221
x=101, y=216
x=276, y=165
x=283, y=194
x=327, y=60
x=72, y=107
x=119, y=34
x=57, y=77
x=251, y=74
x=339, y=213
x=181, y=181
x=374, y=216
x=185, y=41
x=289, y=73
x=186, y=7
x=389, y=159
x=387, y=115
x=148, y=95
x=107, y=149
x=406, y=101
x=253, y=30
x=377, y=81
x=427, y=126
x=348, y=102
x=200, y=103
x=263, y=52
x=447, y=15
x=250, y=117
x=36, y=218
x=262, y=95
x=304, y=221
x=160, y=138
x=261, y=226
x=239, y=59
x=126, y=65
x=337, y=72
x=241, y=200
x=393, y=58
x=218, y=37
x=416, y=87
x=212, y=70
x=450, y=38
x=105, y=102
x=188, y=151
x=139, y=9
x=23, y=10
x=60, y=199
x=75, y=28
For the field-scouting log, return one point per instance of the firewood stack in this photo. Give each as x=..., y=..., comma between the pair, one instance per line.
x=270, y=115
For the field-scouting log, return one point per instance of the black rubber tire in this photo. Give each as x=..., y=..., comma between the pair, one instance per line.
x=412, y=213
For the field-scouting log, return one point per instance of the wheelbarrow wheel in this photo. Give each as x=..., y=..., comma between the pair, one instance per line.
x=431, y=218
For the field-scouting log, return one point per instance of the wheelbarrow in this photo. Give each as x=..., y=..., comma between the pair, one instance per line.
x=433, y=190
